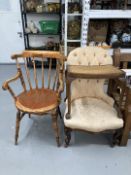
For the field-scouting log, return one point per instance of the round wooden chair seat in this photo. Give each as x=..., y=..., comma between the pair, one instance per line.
x=37, y=101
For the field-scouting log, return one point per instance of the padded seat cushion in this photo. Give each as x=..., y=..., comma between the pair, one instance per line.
x=37, y=101
x=93, y=115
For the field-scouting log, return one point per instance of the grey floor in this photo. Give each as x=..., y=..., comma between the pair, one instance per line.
x=37, y=152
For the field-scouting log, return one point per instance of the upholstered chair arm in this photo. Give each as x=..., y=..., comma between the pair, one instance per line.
x=6, y=86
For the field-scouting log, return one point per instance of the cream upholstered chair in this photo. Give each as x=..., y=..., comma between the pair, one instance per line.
x=92, y=109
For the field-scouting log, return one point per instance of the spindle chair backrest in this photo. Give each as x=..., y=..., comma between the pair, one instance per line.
x=121, y=59
x=54, y=76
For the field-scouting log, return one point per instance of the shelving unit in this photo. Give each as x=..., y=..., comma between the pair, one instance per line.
x=110, y=14
x=87, y=14
x=66, y=17
x=26, y=15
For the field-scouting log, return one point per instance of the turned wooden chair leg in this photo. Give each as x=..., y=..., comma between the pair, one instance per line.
x=116, y=138
x=59, y=112
x=17, y=127
x=126, y=131
x=56, y=128
x=67, y=136
x=29, y=115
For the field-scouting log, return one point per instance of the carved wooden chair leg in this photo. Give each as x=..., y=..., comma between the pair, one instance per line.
x=116, y=138
x=67, y=136
x=18, y=118
x=29, y=115
x=126, y=131
x=55, y=127
x=59, y=112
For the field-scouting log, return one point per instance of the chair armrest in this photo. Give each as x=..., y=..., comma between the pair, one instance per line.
x=6, y=86
x=6, y=83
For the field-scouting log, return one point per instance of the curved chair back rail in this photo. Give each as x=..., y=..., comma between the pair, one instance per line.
x=42, y=54
x=47, y=79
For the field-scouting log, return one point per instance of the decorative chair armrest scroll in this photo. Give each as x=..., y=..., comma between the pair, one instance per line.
x=6, y=86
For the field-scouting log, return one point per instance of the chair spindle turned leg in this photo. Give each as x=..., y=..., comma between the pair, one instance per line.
x=55, y=127
x=116, y=138
x=59, y=112
x=67, y=136
x=126, y=131
x=29, y=115
x=18, y=118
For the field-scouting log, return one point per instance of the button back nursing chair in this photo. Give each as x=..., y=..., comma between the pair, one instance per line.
x=88, y=107
x=41, y=94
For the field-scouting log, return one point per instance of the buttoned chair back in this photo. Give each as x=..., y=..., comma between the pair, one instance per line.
x=89, y=56
x=89, y=107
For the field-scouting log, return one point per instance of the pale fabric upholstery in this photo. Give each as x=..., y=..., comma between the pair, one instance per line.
x=89, y=56
x=94, y=115
x=97, y=113
x=91, y=88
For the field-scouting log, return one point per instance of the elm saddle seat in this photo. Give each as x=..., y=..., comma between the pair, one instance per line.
x=37, y=100
x=89, y=107
x=41, y=94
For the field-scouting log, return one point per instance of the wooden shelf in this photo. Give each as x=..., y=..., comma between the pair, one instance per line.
x=41, y=13
x=42, y=34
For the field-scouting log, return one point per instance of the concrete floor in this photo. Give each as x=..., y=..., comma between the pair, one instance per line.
x=37, y=152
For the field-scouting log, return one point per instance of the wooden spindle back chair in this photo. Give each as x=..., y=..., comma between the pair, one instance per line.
x=41, y=94
x=121, y=60
x=118, y=87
